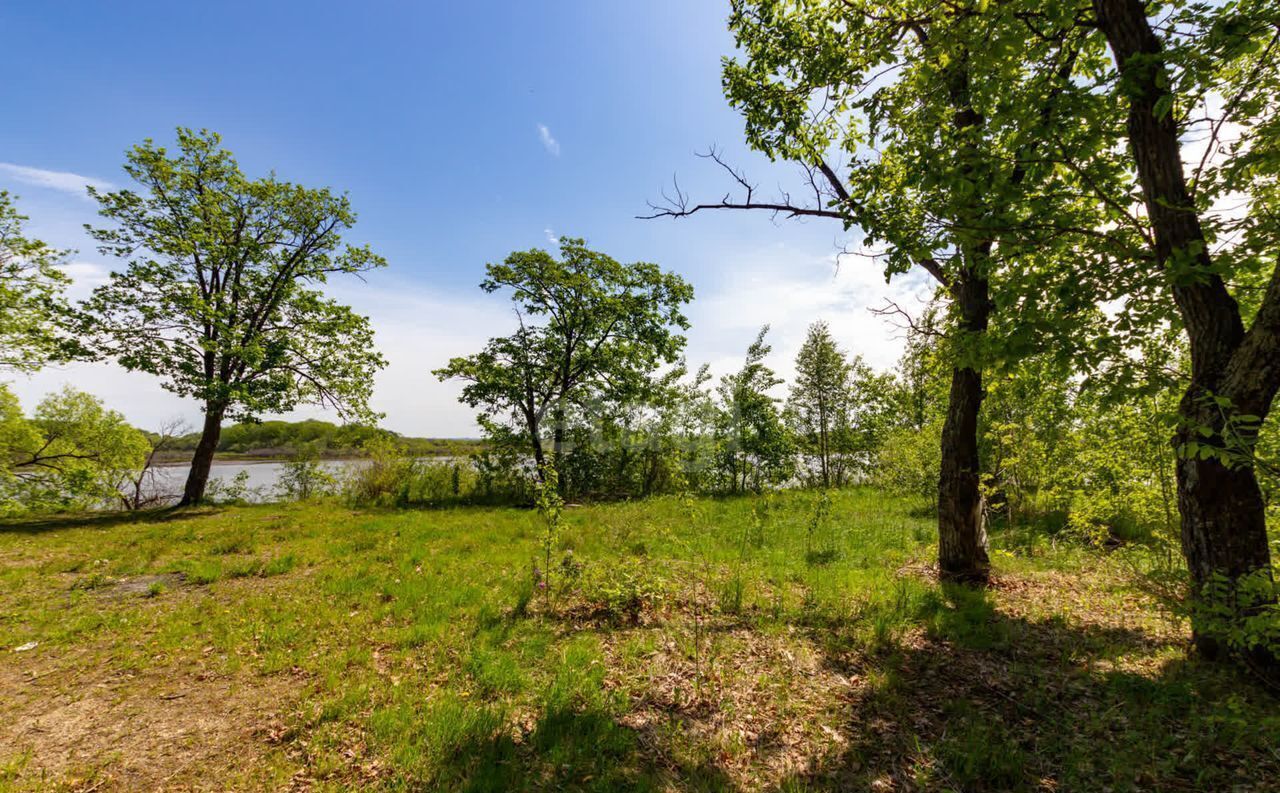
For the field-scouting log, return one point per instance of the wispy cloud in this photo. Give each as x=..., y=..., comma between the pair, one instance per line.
x=552, y=238
x=62, y=181
x=789, y=289
x=548, y=140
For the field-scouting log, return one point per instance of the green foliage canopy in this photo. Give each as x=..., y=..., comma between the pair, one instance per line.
x=590, y=328
x=220, y=296
x=33, y=310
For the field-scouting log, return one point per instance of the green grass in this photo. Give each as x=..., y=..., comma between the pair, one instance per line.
x=712, y=644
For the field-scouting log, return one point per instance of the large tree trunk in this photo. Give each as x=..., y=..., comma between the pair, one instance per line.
x=962, y=534
x=202, y=460
x=1224, y=530
x=1223, y=519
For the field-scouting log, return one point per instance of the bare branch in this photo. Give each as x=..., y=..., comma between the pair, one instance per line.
x=679, y=206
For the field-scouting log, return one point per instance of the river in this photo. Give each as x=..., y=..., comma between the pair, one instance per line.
x=260, y=478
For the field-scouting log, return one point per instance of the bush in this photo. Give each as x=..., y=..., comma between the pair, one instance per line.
x=441, y=482
x=237, y=491
x=385, y=480
x=621, y=593
x=909, y=462
x=392, y=477
x=304, y=477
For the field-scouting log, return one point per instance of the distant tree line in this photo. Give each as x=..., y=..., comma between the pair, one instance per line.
x=323, y=438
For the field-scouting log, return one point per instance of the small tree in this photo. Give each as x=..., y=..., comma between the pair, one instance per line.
x=606, y=327
x=71, y=454
x=140, y=488
x=218, y=297
x=868, y=414
x=818, y=397
x=304, y=477
x=755, y=446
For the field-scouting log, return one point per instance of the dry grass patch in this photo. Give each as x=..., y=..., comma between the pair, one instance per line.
x=172, y=728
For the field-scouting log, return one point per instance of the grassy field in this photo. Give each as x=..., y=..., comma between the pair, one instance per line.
x=746, y=644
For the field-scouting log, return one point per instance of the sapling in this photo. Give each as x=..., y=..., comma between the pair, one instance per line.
x=550, y=505
x=818, y=520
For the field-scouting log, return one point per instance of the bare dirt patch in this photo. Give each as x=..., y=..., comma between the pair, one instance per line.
x=171, y=729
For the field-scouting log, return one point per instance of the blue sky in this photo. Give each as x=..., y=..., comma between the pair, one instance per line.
x=462, y=131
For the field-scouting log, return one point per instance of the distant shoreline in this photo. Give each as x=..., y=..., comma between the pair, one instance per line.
x=177, y=459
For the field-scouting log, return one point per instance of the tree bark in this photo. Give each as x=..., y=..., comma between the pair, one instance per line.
x=557, y=445
x=825, y=450
x=962, y=533
x=535, y=440
x=1223, y=512
x=202, y=460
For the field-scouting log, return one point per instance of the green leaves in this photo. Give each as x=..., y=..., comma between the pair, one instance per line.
x=754, y=446
x=70, y=454
x=590, y=328
x=220, y=294
x=35, y=318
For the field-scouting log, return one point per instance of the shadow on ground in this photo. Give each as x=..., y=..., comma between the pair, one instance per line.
x=970, y=698
x=573, y=749
x=100, y=520
x=982, y=700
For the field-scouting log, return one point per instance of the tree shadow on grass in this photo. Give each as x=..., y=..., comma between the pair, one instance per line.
x=571, y=748
x=983, y=700
x=99, y=520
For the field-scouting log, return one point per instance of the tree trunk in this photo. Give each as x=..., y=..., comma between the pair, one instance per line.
x=202, y=460
x=535, y=440
x=1224, y=530
x=962, y=533
x=557, y=447
x=826, y=453
x=1223, y=513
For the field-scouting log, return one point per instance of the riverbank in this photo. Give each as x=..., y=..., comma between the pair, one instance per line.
x=711, y=644
x=285, y=455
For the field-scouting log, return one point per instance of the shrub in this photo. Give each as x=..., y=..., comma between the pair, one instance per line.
x=909, y=462
x=304, y=477
x=441, y=482
x=384, y=480
x=621, y=593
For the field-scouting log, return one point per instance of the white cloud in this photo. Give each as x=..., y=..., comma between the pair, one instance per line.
x=138, y=396
x=418, y=329
x=552, y=239
x=62, y=181
x=548, y=140
x=789, y=290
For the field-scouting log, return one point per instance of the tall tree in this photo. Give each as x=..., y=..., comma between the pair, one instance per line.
x=1213, y=68
x=817, y=406
x=33, y=308
x=590, y=327
x=219, y=297
x=899, y=96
